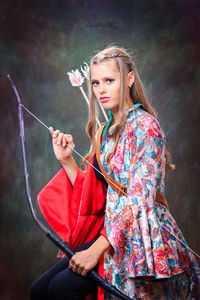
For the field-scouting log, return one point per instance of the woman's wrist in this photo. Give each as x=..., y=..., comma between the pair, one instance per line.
x=70, y=167
x=100, y=246
x=67, y=161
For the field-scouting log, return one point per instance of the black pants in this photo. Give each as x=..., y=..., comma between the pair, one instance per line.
x=61, y=283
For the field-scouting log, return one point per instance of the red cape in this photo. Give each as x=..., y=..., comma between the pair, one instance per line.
x=75, y=213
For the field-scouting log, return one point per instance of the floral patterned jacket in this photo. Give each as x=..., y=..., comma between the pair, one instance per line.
x=142, y=232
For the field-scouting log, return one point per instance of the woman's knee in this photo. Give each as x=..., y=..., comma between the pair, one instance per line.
x=68, y=286
x=36, y=292
x=57, y=291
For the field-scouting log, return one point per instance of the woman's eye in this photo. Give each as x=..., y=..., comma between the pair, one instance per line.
x=95, y=83
x=109, y=80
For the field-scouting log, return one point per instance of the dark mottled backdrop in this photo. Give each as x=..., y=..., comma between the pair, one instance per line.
x=40, y=42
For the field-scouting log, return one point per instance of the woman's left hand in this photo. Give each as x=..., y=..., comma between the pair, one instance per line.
x=82, y=262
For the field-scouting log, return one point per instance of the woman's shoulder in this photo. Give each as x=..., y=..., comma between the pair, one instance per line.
x=143, y=122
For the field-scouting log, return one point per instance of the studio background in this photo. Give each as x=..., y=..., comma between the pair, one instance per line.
x=43, y=40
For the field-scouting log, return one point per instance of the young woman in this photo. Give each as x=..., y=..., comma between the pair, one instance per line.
x=119, y=216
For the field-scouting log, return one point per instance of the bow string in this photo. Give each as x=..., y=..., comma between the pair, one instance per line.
x=51, y=235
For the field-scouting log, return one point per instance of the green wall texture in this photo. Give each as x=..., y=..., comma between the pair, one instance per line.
x=40, y=42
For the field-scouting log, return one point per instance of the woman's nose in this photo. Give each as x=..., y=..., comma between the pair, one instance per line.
x=101, y=88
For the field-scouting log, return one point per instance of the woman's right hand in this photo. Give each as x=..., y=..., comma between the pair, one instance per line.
x=63, y=145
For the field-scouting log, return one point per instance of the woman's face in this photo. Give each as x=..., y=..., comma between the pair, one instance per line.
x=105, y=80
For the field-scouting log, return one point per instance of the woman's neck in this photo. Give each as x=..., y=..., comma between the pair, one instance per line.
x=115, y=112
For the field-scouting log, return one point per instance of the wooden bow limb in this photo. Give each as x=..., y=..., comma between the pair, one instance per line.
x=52, y=236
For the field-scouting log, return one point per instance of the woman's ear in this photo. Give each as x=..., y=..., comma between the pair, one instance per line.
x=131, y=78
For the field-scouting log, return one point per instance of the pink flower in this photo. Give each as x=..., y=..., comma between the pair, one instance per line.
x=108, y=275
x=127, y=213
x=161, y=267
x=154, y=130
x=155, y=233
x=85, y=70
x=118, y=158
x=75, y=78
x=118, y=239
x=137, y=189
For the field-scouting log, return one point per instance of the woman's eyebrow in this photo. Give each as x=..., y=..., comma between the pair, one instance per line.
x=104, y=78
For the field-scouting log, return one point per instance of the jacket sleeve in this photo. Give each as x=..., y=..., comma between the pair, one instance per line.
x=147, y=164
x=133, y=228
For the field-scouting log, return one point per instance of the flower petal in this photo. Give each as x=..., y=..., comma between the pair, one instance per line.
x=75, y=77
x=85, y=70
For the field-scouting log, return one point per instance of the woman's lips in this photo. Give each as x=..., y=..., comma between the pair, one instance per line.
x=104, y=99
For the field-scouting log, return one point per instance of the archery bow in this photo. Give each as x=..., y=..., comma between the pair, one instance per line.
x=52, y=236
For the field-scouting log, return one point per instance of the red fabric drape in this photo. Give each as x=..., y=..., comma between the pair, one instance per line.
x=75, y=213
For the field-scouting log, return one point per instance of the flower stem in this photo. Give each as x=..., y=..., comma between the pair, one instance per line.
x=87, y=100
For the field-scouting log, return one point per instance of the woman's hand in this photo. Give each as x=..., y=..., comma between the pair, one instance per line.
x=82, y=262
x=63, y=145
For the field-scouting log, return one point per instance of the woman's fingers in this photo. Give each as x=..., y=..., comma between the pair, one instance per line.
x=69, y=138
x=78, y=269
x=63, y=144
x=64, y=139
x=80, y=263
x=56, y=133
x=60, y=138
x=51, y=130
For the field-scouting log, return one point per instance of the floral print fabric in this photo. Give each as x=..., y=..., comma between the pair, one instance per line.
x=146, y=260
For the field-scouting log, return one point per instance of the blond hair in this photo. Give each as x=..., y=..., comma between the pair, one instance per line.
x=125, y=64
